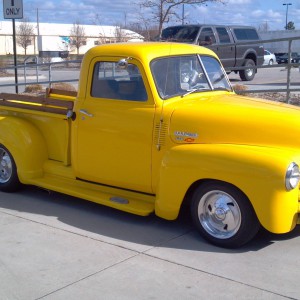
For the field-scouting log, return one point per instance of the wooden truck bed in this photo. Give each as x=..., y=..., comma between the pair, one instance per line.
x=47, y=103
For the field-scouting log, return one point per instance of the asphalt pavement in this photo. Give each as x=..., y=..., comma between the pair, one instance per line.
x=54, y=246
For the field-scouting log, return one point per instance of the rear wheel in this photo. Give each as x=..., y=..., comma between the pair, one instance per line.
x=248, y=74
x=9, y=181
x=223, y=215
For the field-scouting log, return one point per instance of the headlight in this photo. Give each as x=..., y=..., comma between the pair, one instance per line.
x=292, y=176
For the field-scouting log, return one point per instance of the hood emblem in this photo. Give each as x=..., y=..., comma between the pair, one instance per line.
x=186, y=134
x=188, y=137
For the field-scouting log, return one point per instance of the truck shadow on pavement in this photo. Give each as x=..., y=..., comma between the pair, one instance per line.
x=116, y=227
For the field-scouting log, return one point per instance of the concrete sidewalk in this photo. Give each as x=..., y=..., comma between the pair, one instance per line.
x=58, y=247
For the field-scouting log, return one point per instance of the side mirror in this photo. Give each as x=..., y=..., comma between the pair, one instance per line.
x=123, y=63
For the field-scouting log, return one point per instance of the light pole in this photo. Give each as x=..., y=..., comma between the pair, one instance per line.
x=286, y=16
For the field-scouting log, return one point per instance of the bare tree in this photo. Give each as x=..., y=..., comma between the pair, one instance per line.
x=25, y=34
x=163, y=10
x=263, y=27
x=77, y=36
x=148, y=31
x=144, y=26
x=120, y=35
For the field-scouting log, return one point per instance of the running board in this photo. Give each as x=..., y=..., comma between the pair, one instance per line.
x=129, y=201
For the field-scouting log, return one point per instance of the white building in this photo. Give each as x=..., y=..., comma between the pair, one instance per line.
x=56, y=37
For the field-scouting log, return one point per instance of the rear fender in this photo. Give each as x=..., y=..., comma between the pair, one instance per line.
x=26, y=144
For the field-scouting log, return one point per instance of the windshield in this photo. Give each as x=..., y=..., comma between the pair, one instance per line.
x=182, y=75
x=180, y=33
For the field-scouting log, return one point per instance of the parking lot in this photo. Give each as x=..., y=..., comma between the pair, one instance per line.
x=54, y=246
x=269, y=78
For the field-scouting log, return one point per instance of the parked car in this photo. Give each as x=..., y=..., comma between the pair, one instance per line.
x=269, y=58
x=283, y=59
x=225, y=42
x=31, y=60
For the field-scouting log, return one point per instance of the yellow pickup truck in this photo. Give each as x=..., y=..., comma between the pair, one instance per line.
x=155, y=126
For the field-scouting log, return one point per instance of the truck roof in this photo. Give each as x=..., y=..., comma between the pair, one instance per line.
x=145, y=51
x=208, y=25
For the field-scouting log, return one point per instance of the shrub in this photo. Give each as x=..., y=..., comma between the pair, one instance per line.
x=239, y=87
x=3, y=65
x=33, y=88
x=63, y=86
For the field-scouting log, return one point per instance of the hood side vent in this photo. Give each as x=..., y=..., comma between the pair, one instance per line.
x=160, y=134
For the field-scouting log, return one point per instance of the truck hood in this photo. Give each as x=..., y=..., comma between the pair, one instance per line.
x=234, y=119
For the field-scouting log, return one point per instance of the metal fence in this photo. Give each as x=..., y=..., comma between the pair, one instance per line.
x=27, y=68
x=288, y=66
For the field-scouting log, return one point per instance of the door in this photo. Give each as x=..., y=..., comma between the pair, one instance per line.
x=207, y=38
x=226, y=48
x=115, y=126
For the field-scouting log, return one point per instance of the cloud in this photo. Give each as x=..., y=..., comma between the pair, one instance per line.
x=273, y=14
x=111, y=12
x=239, y=2
x=202, y=9
x=48, y=5
x=257, y=13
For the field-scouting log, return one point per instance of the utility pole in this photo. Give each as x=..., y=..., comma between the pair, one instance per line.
x=13, y=9
x=286, y=15
x=39, y=39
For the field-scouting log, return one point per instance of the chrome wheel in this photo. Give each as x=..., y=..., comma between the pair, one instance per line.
x=9, y=180
x=223, y=214
x=5, y=166
x=249, y=72
x=219, y=214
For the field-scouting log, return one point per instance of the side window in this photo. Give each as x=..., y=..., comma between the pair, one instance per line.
x=207, y=37
x=223, y=35
x=246, y=34
x=112, y=82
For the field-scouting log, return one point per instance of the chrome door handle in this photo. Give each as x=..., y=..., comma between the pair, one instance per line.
x=83, y=111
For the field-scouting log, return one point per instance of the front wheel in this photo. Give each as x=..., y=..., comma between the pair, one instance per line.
x=248, y=74
x=9, y=181
x=223, y=215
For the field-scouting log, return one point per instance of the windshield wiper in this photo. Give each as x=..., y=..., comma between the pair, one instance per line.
x=193, y=91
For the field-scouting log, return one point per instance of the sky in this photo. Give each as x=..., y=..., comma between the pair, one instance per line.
x=270, y=13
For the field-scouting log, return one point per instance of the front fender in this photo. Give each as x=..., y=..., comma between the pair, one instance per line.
x=26, y=144
x=259, y=172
